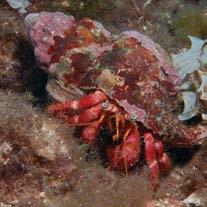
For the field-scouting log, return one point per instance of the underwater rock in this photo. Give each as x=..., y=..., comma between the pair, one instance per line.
x=35, y=155
x=11, y=32
x=18, y=71
x=41, y=164
x=186, y=180
x=101, y=187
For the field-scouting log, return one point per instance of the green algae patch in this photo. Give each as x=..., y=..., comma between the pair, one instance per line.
x=190, y=20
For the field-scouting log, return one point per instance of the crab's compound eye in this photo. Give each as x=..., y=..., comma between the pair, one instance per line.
x=133, y=117
x=105, y=105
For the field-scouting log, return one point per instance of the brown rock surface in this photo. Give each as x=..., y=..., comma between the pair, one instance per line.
x=35, y=158
x=30, y=164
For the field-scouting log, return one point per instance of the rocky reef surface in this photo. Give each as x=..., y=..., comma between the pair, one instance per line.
x=42, y=162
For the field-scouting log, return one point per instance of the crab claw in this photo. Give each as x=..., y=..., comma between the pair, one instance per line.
x=80, y=104
x=86, y=116
x=89, y=133
x=126, y=154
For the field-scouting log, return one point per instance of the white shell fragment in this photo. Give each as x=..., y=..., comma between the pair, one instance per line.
x=190, y=99
x=193, y=59
x=204, y=117
x=193, y=62
x=190, y=110
x=198, y=198
x=19, y=4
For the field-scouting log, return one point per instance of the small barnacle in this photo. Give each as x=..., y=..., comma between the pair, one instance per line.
x=203, y=86
x=133, y=117
x=105, y=105
x=107, y=80
x=96, y=32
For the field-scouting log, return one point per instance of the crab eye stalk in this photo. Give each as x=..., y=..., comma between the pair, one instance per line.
x=105, y=105
x=133, y=117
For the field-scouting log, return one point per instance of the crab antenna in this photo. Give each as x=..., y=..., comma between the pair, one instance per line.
x=126, y=134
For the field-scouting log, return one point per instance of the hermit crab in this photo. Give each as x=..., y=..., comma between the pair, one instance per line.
x=123, y=83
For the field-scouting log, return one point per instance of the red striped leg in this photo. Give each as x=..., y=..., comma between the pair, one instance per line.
x=90, y=132
x=82, y=103
x=84, y=117
x=151, y=158
x=164, y=160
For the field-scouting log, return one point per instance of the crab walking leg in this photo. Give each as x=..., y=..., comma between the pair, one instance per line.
x=84, y=117
x=151, y=158
x=164, y=160
x=127, y=152
x=82, y=103
x=90, y=132
x=127, y=132
x=118, y=121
